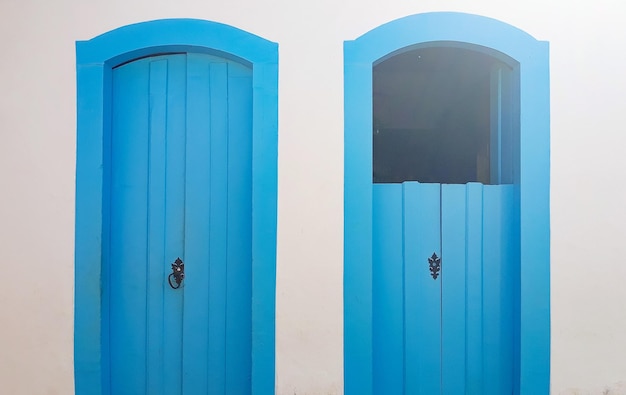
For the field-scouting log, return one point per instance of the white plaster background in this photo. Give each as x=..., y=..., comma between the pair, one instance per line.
x=37, y=164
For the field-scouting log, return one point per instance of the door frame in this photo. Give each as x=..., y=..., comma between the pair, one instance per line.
x=95, y=60
x=532, y=183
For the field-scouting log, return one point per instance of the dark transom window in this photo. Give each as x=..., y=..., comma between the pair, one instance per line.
x=442, y=115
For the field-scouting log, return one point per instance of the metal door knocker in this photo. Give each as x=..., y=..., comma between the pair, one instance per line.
x=434, y=262
x=178, y=273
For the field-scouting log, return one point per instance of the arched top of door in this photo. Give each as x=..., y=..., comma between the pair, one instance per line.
x=175, y=35
x=455, y=29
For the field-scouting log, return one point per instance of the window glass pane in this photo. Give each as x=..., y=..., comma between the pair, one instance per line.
x=432, y=116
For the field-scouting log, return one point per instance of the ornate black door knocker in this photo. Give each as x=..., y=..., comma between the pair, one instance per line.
x=434, y=263
x=178, y=273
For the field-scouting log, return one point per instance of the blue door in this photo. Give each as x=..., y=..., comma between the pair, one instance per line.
x=457, y=106
x=443, y=253
x=179, y=188
x=443, y=289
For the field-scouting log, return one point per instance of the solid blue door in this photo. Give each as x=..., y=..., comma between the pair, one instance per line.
x=443, y=288
x=179, y=187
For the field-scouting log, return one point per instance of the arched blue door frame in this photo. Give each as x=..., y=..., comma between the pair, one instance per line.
x=95, y=59
x=533, y=291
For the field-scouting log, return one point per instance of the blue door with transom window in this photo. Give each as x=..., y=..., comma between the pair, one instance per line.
x=179, y=187
x=443, y=223
x=446, y=208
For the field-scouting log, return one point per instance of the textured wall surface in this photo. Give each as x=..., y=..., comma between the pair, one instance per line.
x=37, y=164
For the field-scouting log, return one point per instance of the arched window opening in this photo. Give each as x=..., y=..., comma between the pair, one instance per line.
x=444, y=114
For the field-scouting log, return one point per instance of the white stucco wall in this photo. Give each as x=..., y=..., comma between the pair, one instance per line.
x=37, y=163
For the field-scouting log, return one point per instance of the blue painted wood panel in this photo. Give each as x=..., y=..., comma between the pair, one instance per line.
x=127, y=285
x=239, y=228
x=478, y=281
x=454, y=334
x=474, y=291
x=422, y=293
x=196, y=325
x=181, y=174
x=218, y=76
x=454, y=288
x=498, y=303
x=388, y=347
x=156, y=226
x=174, y=167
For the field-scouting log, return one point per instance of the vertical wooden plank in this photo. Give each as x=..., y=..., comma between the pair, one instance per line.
x=218, y=226
x=174, y=241
x=453, y=283
x=516, y=163
x=239, y=253
x=156, y=227
x=516, y=278
x=474, y=296
x=422, y=293
x=493, y=371
x=387, y=287
x=507, y=284
x=197, y=223
x=128, y=234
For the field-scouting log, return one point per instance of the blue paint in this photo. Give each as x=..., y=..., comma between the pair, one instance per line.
x=218, y=228
x=199, y=195
x=474, y=291
x=126, y=285
x=453, y=289
x=422, y=309
x=158, y=230
x=524, y=217
x=453, y=334
x=387, y=288
x=357, y=274
x=97, y=178
x=498, y=308
x=174, y=212
x=238, y=285
x=140, y=141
